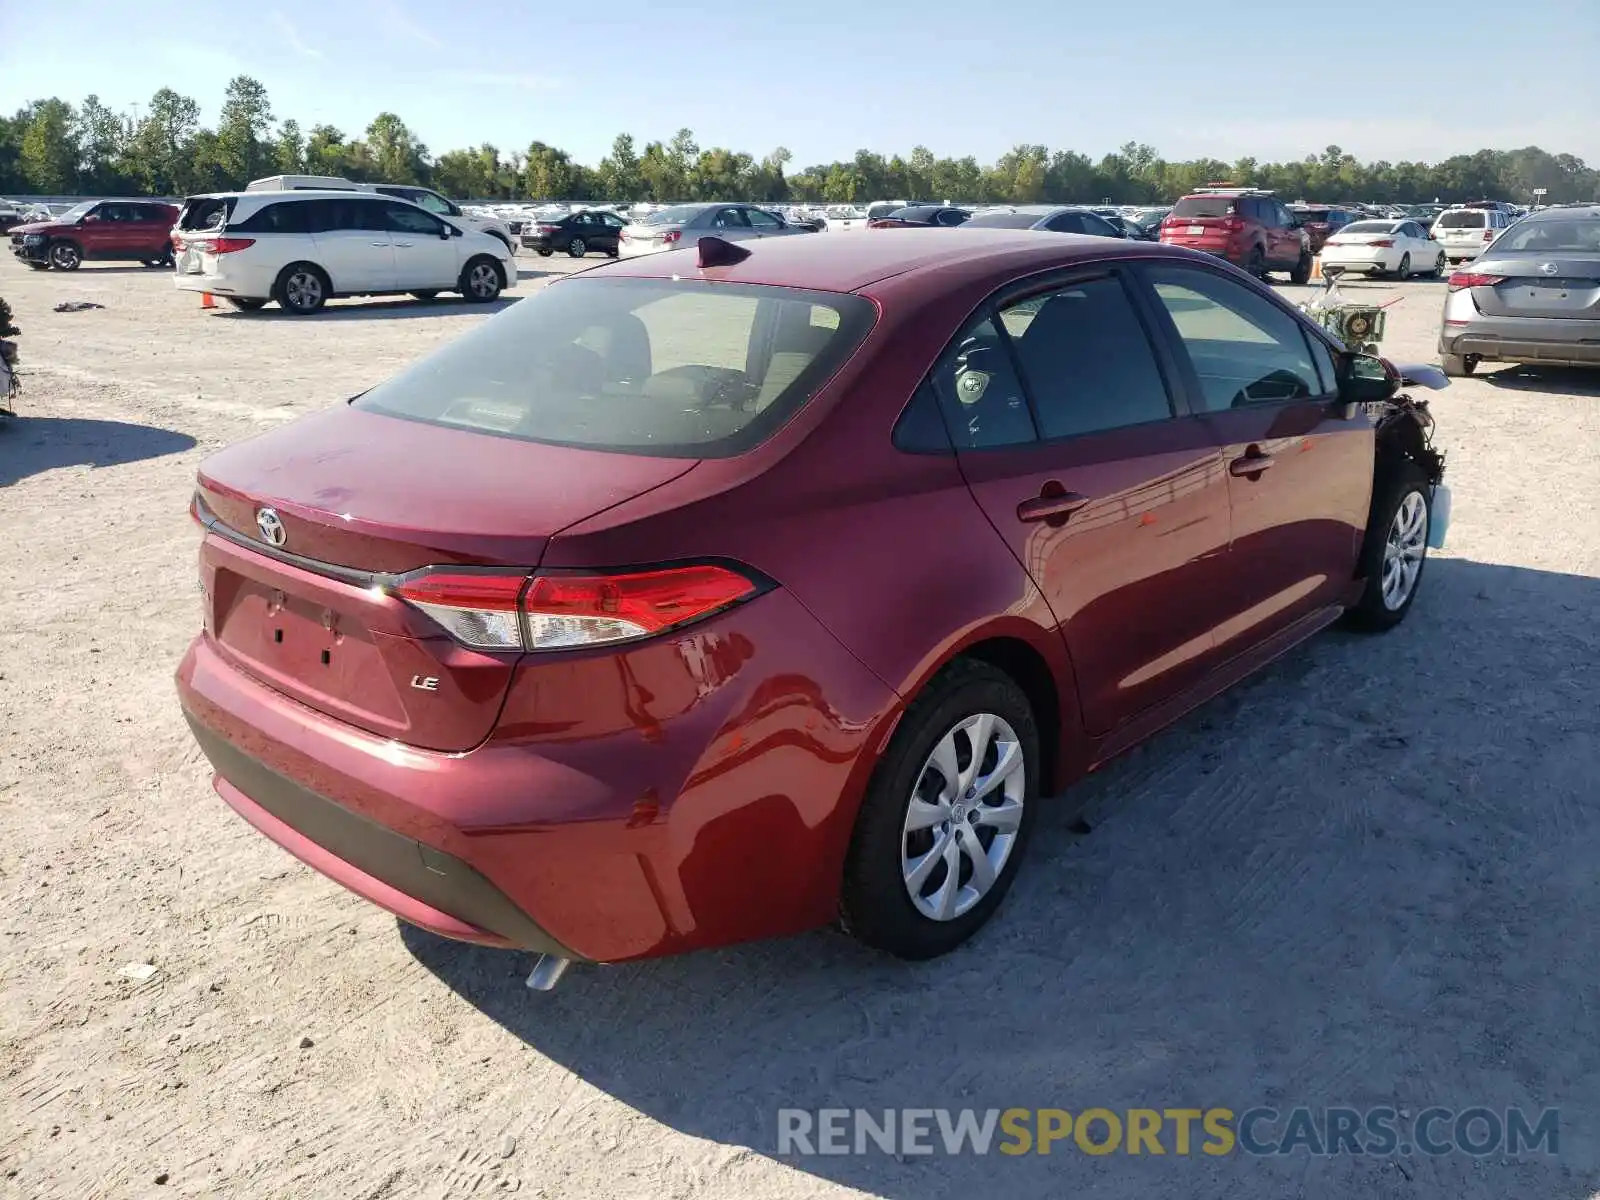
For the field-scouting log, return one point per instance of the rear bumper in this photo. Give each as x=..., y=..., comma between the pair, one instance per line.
x=541, y=242
x=1525, y=339
x=691, y=792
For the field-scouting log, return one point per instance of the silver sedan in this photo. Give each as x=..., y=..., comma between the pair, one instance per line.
x=680, y=225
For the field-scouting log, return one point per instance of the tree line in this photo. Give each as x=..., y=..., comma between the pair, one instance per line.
x=53, y=147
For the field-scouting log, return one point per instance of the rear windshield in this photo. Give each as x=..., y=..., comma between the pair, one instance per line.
x=1576, y=236
x=1315, y=216
x=671, y=368
x=1369, y=227
x=1004, y=221
x=206, y=212
x=672, y=216
x=1204, y=206
x=1464, y=219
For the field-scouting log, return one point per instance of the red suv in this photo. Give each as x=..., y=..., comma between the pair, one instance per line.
x=112, y=230
x=697, y=599
x=1251, y=229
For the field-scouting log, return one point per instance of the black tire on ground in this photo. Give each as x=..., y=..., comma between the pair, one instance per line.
x=1301, y=275
x=302, y=288
x=245, y=303
x=546, y=253
x=1256, y=264
x=430, y=294
x=874, y=904
x=1458, y=366
x=66, y=255
x=1405, y=267
x=1397, y=480
x=1440, y=265
x=613, y=252
x=482, y=280
x=577, y=247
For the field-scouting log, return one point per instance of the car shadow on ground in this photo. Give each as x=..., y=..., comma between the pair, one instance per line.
x=1531, y=377
x=1326, y=887
x=375, y=309
x=30, y=445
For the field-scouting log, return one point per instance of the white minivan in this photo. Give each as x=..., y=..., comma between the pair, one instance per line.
x=302, y=248
x=439, y=206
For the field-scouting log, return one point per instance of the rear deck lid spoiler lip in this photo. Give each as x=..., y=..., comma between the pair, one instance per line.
x=211, y=523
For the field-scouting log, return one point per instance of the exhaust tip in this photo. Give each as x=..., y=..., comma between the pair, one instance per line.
x=547, y=972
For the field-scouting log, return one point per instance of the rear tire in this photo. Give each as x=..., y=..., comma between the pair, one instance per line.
x=302, y=288
x=481, y=280
x=1394, y=554
x=1256, y=265
x=875, y=902
x=246, y=303
x=1405, y=267
x=1458, y=366
x=546, y=253
x=1441, y=264
x=1301, y=275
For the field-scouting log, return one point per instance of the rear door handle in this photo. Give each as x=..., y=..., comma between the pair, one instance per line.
x=383, y=243
x=404, y=243
x=1250, y=464
x=1058, y=505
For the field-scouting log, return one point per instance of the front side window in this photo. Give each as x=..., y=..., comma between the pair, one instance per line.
x=407, y=218
x=1086, y=360
x=761, y=220
x=1244, y=349
x=730, y=218
x=670, y=368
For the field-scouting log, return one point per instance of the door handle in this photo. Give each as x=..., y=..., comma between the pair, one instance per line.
x=1250, y=464
x=1051, y=505
x=404, y=243
x=383, y=243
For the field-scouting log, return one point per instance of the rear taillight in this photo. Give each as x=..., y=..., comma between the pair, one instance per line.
x=1471, y=279
x=494, y=611
x=671, y=236
x=1233, y=224
x=1488, y=235
x=1386, y=243
x=223, y=245
x=178, y=243
x=547, y=229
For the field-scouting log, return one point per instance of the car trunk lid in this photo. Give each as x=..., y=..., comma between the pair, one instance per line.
x=311, y=524
x=1558, y=286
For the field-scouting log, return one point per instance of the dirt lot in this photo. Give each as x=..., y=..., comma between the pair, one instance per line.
x=1368, y=877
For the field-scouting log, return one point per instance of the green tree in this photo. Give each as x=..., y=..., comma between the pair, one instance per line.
x=102, y=138
x=242, y=150
x=548, y=173
x=397, y=155
x=49, y=148
x=289, y=153
x=619, y=171
x=161, y=154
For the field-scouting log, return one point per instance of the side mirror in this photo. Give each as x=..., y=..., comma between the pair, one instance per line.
x=1365, y=379
x=444, y=233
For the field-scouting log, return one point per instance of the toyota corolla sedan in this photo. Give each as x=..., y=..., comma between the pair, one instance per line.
x=1533, y=296
x=727, y=592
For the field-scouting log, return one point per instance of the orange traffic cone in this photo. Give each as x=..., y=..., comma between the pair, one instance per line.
x=207, y=300
x=1316, y=268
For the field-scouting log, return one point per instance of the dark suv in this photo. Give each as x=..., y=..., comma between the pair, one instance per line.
x=1321, y=222
x=1251, y=229
x=117, y=230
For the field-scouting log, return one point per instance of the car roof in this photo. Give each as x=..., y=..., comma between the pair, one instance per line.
x=848, y=264
x=1564, y=213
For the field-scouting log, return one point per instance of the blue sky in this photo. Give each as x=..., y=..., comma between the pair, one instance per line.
x=1189, y=77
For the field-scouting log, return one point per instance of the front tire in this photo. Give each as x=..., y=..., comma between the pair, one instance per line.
x=946, y=818
x=302, y=289
x=481, y=280
x=1458, y=366
x=577, y=247
x=1395, y=550
x=66, y=256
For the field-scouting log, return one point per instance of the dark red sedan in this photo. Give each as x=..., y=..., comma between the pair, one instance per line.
x=681, y=604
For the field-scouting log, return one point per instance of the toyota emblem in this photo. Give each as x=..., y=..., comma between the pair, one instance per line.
x=271, y=526
x=1548, y=268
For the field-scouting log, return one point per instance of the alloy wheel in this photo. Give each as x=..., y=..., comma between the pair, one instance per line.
x=1404, y=550
x=65, y=256
x=963, y=816
x=483, y=281
x=304, y=291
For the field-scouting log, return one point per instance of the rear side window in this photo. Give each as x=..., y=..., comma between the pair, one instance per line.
x=1205, y=206
x=1464, y=219
x=1086, y=360
x=287, y=216
x=670, y=368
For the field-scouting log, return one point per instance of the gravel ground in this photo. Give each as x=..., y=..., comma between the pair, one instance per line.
x=1364, y=878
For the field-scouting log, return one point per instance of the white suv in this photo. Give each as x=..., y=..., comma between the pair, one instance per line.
x=1466, y=232
x=301, y=248
x=439, y=206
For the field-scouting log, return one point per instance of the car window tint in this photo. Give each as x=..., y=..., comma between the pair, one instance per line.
x=920, y=429
x=1100, y=227
x=1245, y=349
x=434, y=204
x=730, y=218
x=1065, y=223
x=978, y=390
x=407, y=218
x=1087, y=361
x=1323, y=357
x=285, y=217
x=762, y=220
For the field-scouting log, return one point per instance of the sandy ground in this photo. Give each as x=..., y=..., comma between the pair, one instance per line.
x=1367, y=877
